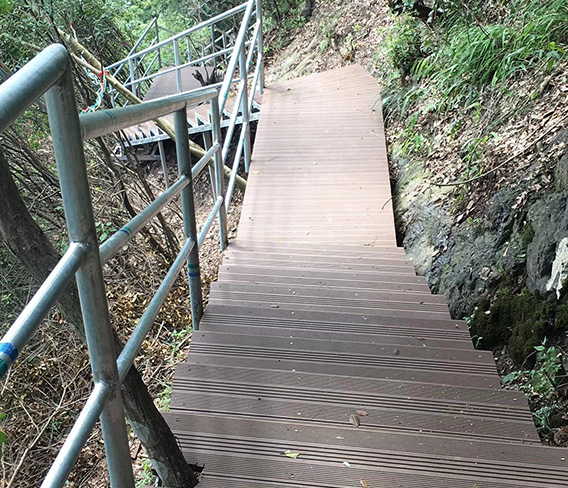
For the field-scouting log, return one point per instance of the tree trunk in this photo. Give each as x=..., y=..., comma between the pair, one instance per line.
x=25, y=239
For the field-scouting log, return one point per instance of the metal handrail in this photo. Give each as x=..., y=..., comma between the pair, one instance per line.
x=49, y=73
x=153, y=23
x=182, y=66
x=185, y=33
x=249, y=36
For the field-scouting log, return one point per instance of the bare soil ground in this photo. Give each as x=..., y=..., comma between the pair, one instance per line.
x=339, y=33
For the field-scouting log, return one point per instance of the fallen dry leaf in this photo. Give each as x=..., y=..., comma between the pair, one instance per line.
x=355, y=420
x=361, y=413
x=291, y=454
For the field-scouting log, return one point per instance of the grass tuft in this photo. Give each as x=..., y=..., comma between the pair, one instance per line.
x=533, y=36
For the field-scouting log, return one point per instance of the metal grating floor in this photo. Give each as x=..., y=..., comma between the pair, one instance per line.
x=317, y=317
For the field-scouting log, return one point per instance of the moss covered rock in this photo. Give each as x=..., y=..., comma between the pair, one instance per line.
x=519, y=320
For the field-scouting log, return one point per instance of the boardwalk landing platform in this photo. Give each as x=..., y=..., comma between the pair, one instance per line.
x=318, y=315
x=198, y=118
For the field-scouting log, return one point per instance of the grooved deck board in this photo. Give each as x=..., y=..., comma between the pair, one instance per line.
x=317, y=314
x=332, y=292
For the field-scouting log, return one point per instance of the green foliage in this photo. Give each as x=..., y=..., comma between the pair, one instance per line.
x=3, y=440
x=470, y=57
x=147, y=477
x=284, y=26
x=98, y=23
x=404, y=44
x=3, y=436
x=472, y=155
x=544, y=378
x=527, y=235
x=104, y=230
x=543, y=418
x=412, y=141
x=6, y=7
x=327, y=34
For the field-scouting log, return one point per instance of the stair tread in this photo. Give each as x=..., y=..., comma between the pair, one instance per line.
x=325, y=291
x=232, y=275
x=377, y=455
x=361, y=319
x=304, y=272
x=319, y=343
x=380, y=309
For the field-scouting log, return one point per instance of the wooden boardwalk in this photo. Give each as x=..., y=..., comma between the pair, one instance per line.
x=320, y=340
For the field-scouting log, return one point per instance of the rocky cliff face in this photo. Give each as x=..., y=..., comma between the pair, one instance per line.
x=466, y=258
x=514, y=242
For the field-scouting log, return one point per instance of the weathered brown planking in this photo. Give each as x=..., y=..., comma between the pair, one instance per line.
x=320, y=340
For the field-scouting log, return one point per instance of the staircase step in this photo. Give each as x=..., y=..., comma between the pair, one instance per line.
x=321, y=364
x=342, y=284
x=328, y=249
x=382, y=459
x=304, y=229
x=495, y=403
x=329, y=292
x=367, y=351
x=323, y=274
x=283, y=257
x=361, y=236
x=388, y=337
x=214, y=319
x=196, y=392
x=328, y=265
x=459, y=327
x=318, y=356
x=296, y=304
x=278, y=298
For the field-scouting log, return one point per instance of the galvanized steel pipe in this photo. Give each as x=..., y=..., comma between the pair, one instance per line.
x=97, y=124
x=25, y=86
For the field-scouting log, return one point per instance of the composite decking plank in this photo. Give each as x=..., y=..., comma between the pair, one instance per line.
x=317, y=314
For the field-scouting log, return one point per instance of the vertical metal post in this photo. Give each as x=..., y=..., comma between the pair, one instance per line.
x=213, y=46
x=177, y=63
x=225, y=46
x=219, y=176
x=68, y=149
x=245, y=132
x=158, y=42
x=260, y=46
x=188, y=49
x=133, y=86
x=207, y=143
x=188, y=210
x=163, y=161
